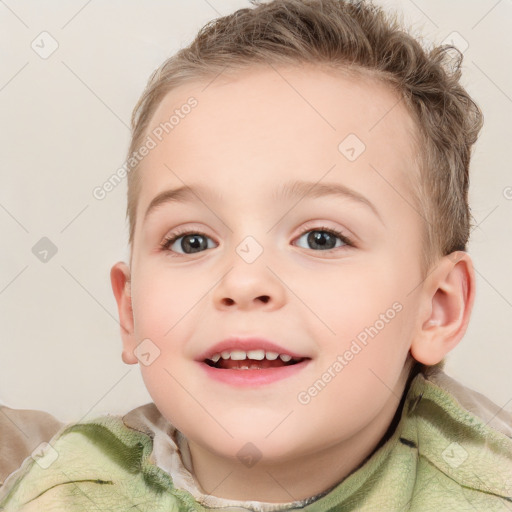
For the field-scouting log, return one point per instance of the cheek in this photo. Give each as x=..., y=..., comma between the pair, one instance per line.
x=367, y=311
x=163, y=308
x=350, y=298
x=162, y=298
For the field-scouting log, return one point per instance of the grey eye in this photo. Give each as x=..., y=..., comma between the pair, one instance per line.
x=191, y=243
x=321, y=239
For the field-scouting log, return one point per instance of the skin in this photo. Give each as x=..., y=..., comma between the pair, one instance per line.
x=249, y=134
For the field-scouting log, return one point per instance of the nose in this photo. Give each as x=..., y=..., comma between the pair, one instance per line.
x=248, y=286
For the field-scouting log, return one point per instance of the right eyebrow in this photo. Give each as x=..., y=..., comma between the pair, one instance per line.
x=180, y=195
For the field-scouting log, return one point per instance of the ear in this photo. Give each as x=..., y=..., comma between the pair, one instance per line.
x=121, y=286
x=449, y=293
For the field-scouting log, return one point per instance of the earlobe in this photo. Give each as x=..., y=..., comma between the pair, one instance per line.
x=449, y=294
x=121, y=286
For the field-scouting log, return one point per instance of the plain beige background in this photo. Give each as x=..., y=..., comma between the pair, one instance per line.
x=65, y=131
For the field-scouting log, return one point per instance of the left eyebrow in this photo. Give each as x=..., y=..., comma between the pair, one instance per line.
x=311, y=189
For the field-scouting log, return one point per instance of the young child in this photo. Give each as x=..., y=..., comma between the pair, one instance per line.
x=297, y=202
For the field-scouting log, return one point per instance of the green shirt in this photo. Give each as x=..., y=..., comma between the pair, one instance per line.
x=441, y=456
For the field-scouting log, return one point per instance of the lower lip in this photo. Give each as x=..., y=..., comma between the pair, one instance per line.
x=244, y=378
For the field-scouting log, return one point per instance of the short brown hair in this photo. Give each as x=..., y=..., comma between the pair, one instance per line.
x=355, y=36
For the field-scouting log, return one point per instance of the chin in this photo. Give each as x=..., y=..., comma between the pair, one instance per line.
x=251, y=447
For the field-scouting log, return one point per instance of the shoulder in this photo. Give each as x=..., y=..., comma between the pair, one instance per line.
x=102, y=457
x=463, y=440
x=21, y=432
x=496, y=417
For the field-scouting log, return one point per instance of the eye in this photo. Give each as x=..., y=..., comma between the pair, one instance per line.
x=188, y=242
x=324, y=239
x=191, y=242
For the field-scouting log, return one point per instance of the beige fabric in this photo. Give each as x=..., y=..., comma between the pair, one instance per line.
x=21, y=432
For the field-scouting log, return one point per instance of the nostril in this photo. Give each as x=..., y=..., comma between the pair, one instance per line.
x=227, y=301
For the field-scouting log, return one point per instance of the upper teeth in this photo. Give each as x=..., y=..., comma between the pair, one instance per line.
x=240, y=355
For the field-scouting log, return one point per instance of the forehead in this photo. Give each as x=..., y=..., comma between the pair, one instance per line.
x=261, y=127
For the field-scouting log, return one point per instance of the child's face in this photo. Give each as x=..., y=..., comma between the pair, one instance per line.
x=352, y=311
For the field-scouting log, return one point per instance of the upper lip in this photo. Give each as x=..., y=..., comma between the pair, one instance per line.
x=246, y=344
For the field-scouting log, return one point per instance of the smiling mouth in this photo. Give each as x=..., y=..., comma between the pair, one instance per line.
x=258, y=360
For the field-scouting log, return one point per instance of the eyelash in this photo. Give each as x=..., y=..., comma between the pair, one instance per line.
x=170, y=239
